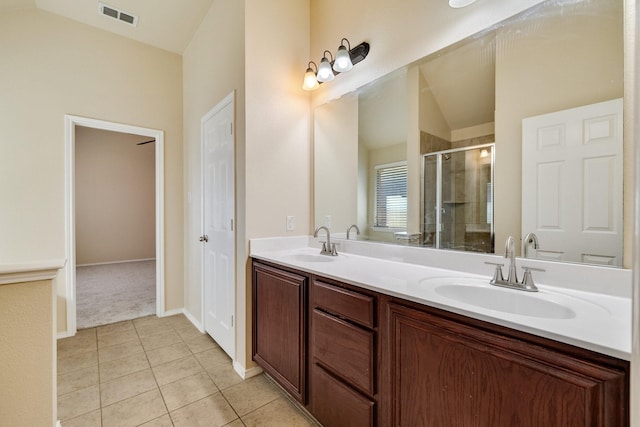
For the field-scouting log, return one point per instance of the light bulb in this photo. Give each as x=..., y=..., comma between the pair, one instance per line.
x=310, y=81
x=343, y=62
x=325, y=73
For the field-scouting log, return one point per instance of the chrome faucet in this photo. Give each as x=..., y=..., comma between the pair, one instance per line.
x=328, y=248
x=512, y=277
x=529, y=240
x=349, y=229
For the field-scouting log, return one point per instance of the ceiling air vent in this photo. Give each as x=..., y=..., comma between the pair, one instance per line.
x=118, y=14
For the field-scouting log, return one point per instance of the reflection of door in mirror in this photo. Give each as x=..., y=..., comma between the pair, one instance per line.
x=458, y=199
x=572, y=183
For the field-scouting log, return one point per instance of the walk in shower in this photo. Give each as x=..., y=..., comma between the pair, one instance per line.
x=457, y=199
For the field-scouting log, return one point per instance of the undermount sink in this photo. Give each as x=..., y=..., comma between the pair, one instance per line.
x=310, y=258
x=505, y=300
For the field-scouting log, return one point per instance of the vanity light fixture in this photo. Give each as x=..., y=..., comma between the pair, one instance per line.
x=310, y=81
x=344, y=61
x=325, y=72
x=457, y=4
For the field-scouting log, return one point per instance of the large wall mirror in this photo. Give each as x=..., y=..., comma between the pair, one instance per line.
x=516, y=131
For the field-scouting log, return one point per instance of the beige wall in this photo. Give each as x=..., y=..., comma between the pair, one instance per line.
x=278, y=150
x=27, y=354
x=399, y=33
x=52, y=66
x=115, y=197
x=335, y=152
x=534, y=78
x=257, y=49
x=213, y=67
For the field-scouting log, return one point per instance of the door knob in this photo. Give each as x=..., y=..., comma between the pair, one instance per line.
x=204, y=238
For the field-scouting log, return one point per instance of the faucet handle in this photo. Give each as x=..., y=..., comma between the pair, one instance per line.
x=497, y=274
x=334, y=251
x=527, y=280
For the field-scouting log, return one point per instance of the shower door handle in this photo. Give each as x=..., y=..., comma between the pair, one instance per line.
x=204, y=238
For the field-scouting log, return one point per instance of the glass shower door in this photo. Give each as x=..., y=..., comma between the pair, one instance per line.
x=458, y=199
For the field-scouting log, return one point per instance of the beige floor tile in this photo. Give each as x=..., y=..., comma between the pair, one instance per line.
x=278, y=413
x=82, y=342
x=115, y=338
x=179, y=321
x=134, y=410
x=121, y=367
x=212, y=411
x=167, y=354
x=177, y=369
x=126, y=325
x=150, y=320
x=187, y=390
x=202, y=343
x=236, y=423
x=251, y=394
x=127, y=386
x=224, y=376
x=188, y=332
x=151, y=342
x=78, y=402
x=210, y=358
x=90, y=419
x=77, y=380
x=152, y=328
x=107, y=354
x=76, y=362
x=163, y=421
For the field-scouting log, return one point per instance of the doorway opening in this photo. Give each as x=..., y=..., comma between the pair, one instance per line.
x=114, y=222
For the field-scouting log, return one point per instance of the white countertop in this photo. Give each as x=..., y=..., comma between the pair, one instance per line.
x=600, y=321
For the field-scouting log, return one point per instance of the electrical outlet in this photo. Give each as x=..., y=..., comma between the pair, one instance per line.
x=327, y=221
x=291, y=222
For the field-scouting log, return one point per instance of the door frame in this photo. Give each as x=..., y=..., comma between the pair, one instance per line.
x=70, y=123
x=229, y=99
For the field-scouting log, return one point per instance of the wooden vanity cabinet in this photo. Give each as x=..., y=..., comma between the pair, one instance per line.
x=374, y=360
x=449, y=373
x=280, y=326
x=342, y=355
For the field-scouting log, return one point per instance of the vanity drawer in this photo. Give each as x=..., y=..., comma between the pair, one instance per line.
x=344, y=349
x=342, y=302
x=336, y=405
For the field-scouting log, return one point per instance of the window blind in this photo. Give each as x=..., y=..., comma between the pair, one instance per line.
x=391, y=195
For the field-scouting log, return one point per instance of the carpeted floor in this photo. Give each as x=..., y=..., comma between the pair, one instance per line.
x=111, y=293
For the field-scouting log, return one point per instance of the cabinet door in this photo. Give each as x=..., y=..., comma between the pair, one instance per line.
x=449, y=374
x=279, y=326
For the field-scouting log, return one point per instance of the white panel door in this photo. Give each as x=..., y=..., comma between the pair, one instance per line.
x=218, y=224
x=572, y=183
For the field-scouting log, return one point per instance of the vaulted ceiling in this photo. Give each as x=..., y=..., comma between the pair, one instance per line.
x=166, y=24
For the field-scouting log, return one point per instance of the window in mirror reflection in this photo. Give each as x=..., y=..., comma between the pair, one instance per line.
x=391, y=196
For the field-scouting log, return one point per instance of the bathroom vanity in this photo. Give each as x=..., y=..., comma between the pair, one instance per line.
x=356, y=352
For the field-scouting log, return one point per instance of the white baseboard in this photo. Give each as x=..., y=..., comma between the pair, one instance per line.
x=246, y=373
x=64, y=334
x=193, y=320
x=115, y=262
x=172, y=312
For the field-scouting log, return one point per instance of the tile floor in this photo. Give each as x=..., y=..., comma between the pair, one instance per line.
x=161, y=372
